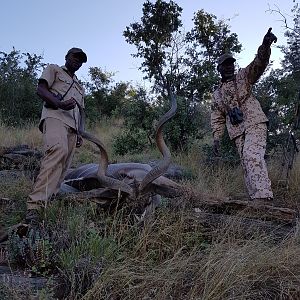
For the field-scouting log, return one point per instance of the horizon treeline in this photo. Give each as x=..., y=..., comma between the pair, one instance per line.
x=171, y=57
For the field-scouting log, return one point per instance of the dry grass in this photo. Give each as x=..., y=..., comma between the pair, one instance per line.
x=30, y=135
x=174, y=256
x=229, y=267
x=287, y=192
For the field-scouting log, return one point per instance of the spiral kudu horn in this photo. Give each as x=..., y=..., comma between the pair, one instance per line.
x=103, y=163
x=163, y=165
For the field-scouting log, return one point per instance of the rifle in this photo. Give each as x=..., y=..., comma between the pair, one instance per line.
x=291, y=148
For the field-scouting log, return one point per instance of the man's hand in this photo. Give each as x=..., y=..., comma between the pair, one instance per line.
x=67, y=105
x=269, y=38
x=79, y=141
x=216, y=147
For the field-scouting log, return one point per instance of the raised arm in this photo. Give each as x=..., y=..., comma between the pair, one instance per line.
x=257, y=67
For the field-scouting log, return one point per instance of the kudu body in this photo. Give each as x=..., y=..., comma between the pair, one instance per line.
x=105, y=181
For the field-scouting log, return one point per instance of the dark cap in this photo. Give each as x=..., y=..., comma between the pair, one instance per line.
x=226, y=56
x=78, y=51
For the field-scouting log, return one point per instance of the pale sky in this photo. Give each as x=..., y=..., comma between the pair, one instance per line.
x=50, y=28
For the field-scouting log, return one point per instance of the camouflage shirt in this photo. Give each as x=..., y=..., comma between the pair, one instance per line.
x=238, y=92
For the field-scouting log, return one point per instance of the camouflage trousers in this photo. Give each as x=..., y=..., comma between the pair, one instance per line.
x=252, y=147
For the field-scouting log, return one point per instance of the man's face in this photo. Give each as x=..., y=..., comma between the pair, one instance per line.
x=226, y=69
x=73, y=61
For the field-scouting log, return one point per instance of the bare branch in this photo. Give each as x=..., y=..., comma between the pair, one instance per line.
x=284, y=17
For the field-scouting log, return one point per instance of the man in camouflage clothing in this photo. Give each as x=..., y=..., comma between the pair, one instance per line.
x=234, y=105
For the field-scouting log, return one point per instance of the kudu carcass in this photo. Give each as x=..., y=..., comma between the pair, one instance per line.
x=105, y=182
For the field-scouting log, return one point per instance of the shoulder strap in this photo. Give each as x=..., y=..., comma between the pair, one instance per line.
x=63, y=96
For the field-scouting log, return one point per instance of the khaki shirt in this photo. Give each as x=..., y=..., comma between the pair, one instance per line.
x=238, y=92
x=58, y=82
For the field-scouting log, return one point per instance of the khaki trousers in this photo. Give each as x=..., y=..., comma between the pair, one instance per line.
x=252, y=147
x=59, y=147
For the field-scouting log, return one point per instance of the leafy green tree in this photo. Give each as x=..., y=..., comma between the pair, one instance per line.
x=278, y=92
x=18, y=80
x=187, y=61
x=288, y=100
x=291, y=61
x=139, y=114
x=104, y=97
x=154, y=38
x=208, y=39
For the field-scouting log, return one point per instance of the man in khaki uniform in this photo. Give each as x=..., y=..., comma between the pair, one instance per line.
x=60, y=90
x=234, y=105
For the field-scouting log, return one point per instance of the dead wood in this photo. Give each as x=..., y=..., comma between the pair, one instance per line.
x=261, y=211
x=242, y=224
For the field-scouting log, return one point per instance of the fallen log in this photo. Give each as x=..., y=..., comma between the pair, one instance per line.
x=19, y=157
x=258, y=211
x=243, y=224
